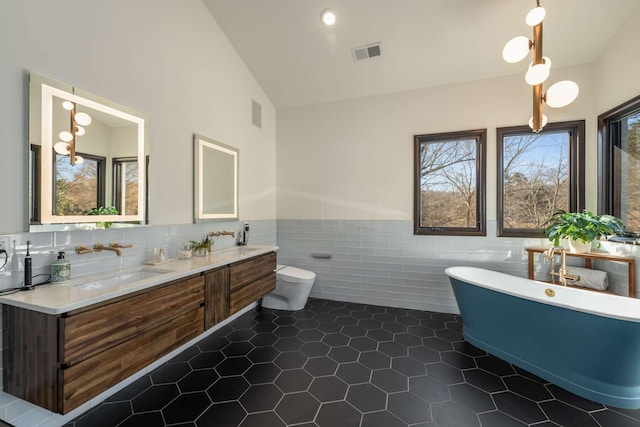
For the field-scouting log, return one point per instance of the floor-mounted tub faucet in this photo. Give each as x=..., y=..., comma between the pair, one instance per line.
x=562, y=274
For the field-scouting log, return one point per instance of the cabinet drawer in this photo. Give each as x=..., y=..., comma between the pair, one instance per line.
x=244, y=296
x=96, y=374
x=96, y=330
x=244, y=272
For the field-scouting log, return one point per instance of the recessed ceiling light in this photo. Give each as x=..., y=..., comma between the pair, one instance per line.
x=328, y=17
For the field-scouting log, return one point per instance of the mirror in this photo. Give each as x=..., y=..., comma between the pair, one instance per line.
x=88, y=159
x=215, y=180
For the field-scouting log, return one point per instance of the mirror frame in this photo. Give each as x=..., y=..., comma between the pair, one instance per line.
x=200, y=144
x=40, y=125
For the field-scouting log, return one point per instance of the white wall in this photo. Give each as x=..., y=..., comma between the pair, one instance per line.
x=168, y=59
x=618, y=67
x=354, y=159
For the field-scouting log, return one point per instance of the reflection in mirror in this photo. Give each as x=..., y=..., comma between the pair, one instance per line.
x=87, y=162
x=215, y=180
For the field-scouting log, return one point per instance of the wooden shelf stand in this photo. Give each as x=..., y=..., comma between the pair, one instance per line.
x=588, y=263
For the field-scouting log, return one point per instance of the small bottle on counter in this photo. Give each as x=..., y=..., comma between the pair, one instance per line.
x=60, y=269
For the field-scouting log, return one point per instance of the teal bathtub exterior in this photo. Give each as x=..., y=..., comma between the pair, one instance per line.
x=593, y=356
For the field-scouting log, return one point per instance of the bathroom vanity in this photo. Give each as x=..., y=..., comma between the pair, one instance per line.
x=61, y=353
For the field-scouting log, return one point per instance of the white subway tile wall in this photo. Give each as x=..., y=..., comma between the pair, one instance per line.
x=44, y=249
x=384, y=263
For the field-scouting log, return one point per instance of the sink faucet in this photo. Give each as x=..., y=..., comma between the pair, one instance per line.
x=98, y=247
x=562, y=274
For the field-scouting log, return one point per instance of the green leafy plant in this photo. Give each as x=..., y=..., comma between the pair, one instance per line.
x=204, y=244
x=102, y=210
x=584, y=226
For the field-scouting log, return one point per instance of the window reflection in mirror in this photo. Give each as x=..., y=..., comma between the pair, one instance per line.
x=78, y=165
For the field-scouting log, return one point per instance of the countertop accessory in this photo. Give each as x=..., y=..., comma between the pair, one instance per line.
x=60, y=269
x=28, y=283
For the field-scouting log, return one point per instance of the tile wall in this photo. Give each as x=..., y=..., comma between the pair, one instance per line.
x=383, y=263
x=44, y=249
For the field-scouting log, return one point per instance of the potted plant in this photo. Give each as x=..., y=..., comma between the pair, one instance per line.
x=201, y=248
x=581, y=228
x=102, y=210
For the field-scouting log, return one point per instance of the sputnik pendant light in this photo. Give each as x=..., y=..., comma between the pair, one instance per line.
x=67, y=147
x=558, y=95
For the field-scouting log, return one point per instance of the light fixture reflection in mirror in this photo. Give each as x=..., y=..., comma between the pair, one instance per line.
x=87, y=153
x=215, y=180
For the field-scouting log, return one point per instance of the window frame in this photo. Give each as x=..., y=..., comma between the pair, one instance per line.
x=576, y=171
x=116, y=169
x=101, y=178
x=480, y=136
x=606, y=145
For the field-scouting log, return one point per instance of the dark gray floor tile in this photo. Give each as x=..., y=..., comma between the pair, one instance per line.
x=265, y=419
x=298, y=408
x=132, y=390
x=338, y=414
x=614, y=419
x=381, y=419
x=375, y=360
x=366, y=397
x=320, y=366
x=518, y=407
x=260, y=373
x=260, y=398
x=229, y=388
x=353, y=373
x=222, y=414
x=328, y=389
x=389, y=380
x=106, y=415
x=429, y=389
x=409, y=408
x=344, y=354
x=525, y=387
x=452, y=414
x=408, y=366
x=186, y=407
x=293, y=380
x=484, y=380
x=565, y=415
x=155, y=398
x=471, y=398
x=499, y=419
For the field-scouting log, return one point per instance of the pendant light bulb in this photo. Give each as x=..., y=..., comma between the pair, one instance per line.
x=83, y=119
x=561, y=94
x=516, y=49
x=68, y=105
x=79, y=131
x=65, y=136
x=544, y=121
x=537, y=74
x=62, y=148
x=79, y=159
x=535, y=16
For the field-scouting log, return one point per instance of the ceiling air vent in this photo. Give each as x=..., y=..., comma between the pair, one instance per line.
x=365, y=52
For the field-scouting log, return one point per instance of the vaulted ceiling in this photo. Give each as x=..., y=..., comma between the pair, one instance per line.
x=300, y=61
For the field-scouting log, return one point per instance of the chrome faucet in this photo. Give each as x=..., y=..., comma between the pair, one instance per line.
x=98, y=247
x=562, y=274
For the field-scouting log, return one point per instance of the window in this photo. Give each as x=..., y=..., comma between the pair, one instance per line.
x=619, y=169
x=449, y=183
x=78, y=188
x=538, y=174
x=125, y=185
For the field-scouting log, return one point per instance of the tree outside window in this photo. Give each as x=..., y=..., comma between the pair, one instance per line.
x=449, y=183
x=539, y=174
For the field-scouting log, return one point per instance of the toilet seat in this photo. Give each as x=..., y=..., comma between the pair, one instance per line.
x=294, y=275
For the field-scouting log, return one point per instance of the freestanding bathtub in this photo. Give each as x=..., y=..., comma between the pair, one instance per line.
x=585, y=342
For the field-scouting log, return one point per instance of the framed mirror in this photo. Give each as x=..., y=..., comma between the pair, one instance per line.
x=215, y=180
x=88, y=159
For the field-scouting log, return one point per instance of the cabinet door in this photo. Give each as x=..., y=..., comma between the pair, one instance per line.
x=95, y=330
x=96, y=374
x=244, y=296
x=216, y=296
x=245, y=272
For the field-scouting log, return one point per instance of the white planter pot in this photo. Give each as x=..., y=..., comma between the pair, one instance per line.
x=579, y=247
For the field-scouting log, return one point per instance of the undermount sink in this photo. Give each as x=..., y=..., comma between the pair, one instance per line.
x=240, y=250
x=121, y=278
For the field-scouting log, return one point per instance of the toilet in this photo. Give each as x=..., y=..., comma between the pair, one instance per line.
x=293, y=286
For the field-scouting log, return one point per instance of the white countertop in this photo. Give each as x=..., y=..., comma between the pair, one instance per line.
x=62, y=297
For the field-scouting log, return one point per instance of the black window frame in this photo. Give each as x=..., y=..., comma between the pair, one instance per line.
x=116, y=169
x=101, y=178
x=576, y=171
x=608, y=140
x=480, y=136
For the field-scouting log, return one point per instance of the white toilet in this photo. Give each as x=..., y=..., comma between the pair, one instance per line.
x=293, y=286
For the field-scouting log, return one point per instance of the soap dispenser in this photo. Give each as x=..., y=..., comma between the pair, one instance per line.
x=60, y=269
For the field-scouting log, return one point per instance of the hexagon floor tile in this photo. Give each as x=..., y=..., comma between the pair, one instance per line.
x=344, y=364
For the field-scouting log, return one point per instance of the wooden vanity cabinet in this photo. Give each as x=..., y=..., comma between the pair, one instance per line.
x=59, y=362
x=250, y=280
x=216, y=296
